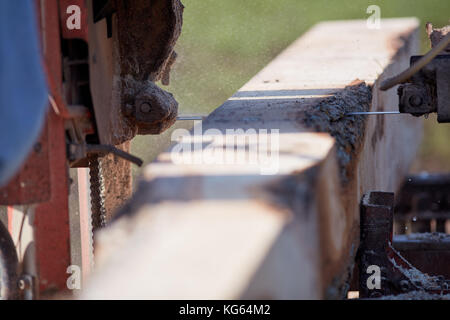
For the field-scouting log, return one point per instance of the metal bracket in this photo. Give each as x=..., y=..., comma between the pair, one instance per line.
x=428, y=90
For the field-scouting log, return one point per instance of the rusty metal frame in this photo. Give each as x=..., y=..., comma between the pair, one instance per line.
x=429, y=252
x=428, y=90
x=421, y=199
x=376, y=249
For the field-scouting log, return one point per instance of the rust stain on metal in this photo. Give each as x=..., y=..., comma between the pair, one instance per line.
x=148, y=31
x=136, y=51
x=118, y=181
x=397, y=274
x=148, y=107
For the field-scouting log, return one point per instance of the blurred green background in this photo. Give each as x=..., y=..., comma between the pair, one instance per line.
x=225, y=43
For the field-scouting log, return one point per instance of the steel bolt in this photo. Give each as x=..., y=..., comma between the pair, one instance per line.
x=145, y=107
x=24, y=283
x=38, y=147
x=415, y=101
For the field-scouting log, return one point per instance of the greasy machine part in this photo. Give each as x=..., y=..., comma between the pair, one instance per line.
x=425, y=85
x=396, y=275
x=131, y=46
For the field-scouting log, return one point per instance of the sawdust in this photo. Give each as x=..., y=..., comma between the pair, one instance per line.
x=436, y=35
x=329, y=116
x=117, y=180
x=420, y=279
x=434, y=236
x=148, y=32
x=417, y=295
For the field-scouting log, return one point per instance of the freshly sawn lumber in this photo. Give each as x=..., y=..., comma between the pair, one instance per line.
x=286, y=226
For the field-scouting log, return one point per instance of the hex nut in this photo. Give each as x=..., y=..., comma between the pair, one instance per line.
x=145, y=107
x=415, y=101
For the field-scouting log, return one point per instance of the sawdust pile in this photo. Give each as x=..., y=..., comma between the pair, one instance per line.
x=417, y=295
x=433, y=236
x=329, y=116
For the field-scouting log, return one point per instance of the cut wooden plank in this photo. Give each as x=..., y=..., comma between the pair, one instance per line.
x=248, y=213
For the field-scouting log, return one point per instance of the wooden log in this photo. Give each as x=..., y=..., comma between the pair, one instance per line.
x=285, y=226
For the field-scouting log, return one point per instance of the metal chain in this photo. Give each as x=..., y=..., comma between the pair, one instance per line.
x=98, y=209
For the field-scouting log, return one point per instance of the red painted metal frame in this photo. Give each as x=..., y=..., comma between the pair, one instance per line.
x=51, y=223
x=52, y=229
x=32, y=183
x=44, y=178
